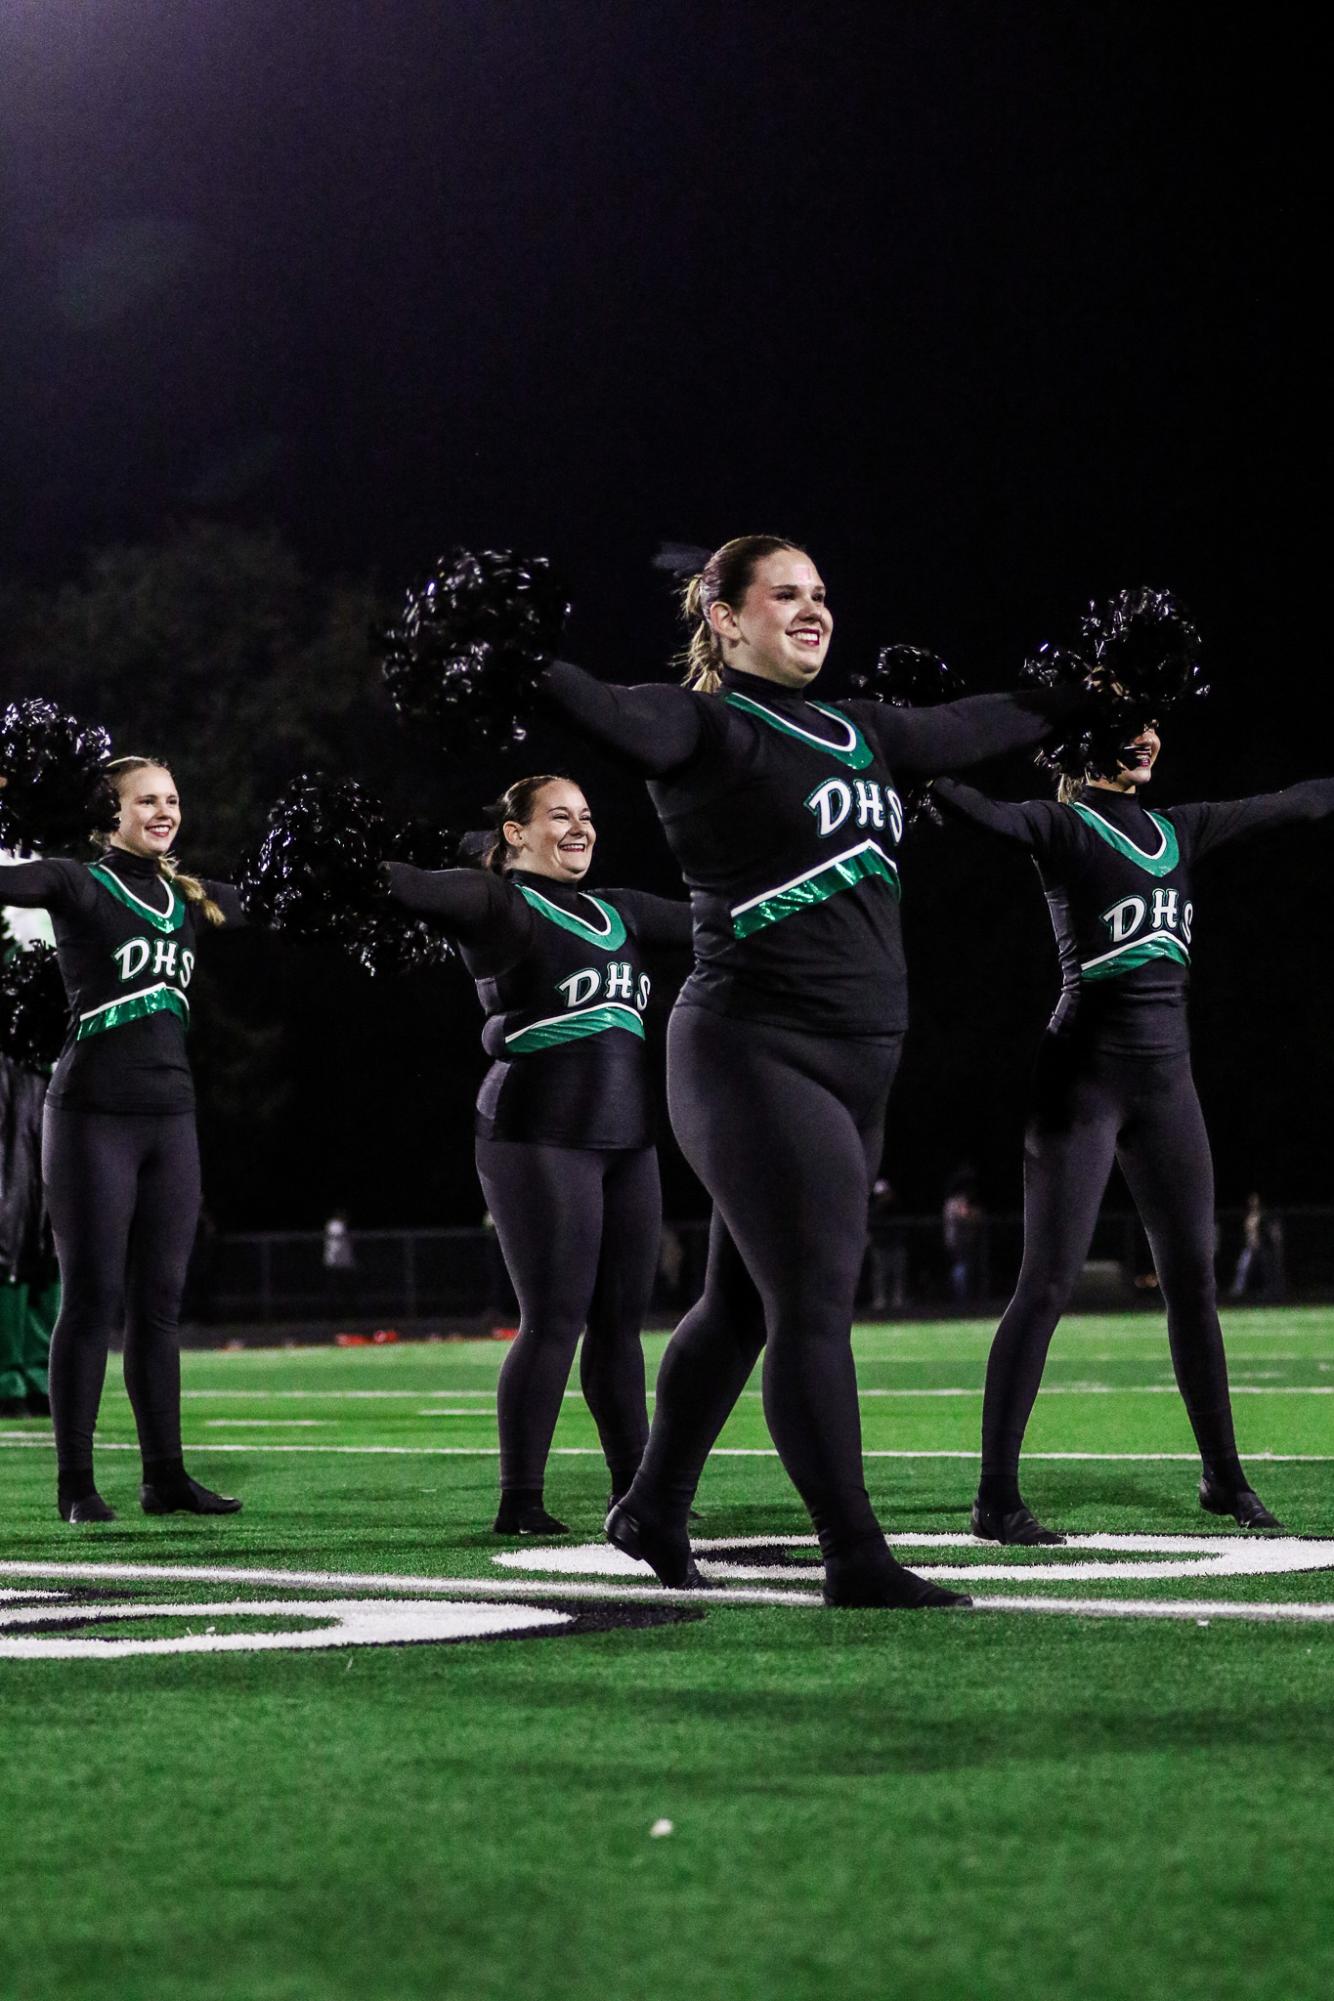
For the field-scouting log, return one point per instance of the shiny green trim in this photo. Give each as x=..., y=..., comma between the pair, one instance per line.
x=134, y=1007
x=609, y=940
x=573, y=1028
x=1126, y=957
x=1160, y=864
x=168, y=921
x=868, y=863
x=856, y=755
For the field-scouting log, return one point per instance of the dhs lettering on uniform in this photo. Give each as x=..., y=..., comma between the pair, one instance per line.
x=874, y=805
x=1134, y=915
x=614, y=981
x=161, y=956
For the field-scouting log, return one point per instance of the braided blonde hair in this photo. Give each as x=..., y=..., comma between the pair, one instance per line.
x=191, y=888
x=725, y=579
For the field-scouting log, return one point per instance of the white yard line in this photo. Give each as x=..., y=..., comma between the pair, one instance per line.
x=19, y=1439
x=1242, y=1389
x=1201, y=1611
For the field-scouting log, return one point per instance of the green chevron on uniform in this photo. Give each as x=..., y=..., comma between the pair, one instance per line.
x=1160, y=864
x=134, y=1007
x=856, y=755
x=865, y=864
x=168, y=920
x=1159, y=946
x=608, y=940
x=573, y=1028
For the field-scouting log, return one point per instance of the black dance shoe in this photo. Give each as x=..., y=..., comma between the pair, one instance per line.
x=877, y=1579
x=184, y=1497
x=526, y=1518
x=1245, y=1507
x=1019, y=1527
x=88, y=1508
x=666, y=1554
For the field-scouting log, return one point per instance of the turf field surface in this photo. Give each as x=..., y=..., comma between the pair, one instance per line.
x=1035, y=1802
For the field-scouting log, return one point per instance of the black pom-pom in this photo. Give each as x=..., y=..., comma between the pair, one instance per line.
x=1139, y=656
x=320, y=857
x=466, y=655
x=1055, y=667
x=34, y=1010
x=1143, y=646
x=912, y=677
x=55, y=792
x=423, y=844
x=317, y=875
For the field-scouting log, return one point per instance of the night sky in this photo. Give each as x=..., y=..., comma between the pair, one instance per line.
x=994, y=306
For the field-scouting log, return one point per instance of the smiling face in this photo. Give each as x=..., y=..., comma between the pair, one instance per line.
x=557, y=840
x=1137, y=759
x=781, y=628
x=150, y=811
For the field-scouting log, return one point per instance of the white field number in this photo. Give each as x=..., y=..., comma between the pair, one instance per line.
x=41, y=1621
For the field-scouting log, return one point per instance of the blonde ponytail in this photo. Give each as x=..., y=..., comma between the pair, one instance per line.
x=1070, y=788
x=193, y=890
x=702, y=658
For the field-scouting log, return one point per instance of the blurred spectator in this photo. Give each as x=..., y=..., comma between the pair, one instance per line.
x=1260, y=1266
x=28, y=1286
x=340, y=1266
x=963, y=1229
x=29, y=1289
x=886, y=1252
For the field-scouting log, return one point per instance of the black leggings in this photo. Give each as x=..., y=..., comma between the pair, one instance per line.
x=122, y=1191
x=579, y=1230
x=1089, y=1109
x=785, y=1130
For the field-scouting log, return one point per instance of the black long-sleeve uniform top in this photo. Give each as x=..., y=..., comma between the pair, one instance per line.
x=1117, y=877
x=561, y=980
x=125, y=942
x=783, y=815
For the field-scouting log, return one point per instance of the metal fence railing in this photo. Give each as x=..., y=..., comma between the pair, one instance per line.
x=456, y=1278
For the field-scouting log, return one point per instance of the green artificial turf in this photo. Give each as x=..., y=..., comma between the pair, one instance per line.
x=862, y=1804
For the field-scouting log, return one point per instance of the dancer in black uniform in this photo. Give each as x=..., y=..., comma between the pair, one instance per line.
x=784, y=817
x=120, y=1158
x=565, y=1148
x=1113, y=1081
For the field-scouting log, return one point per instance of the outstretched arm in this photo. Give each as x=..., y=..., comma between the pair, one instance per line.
x=475, y=906
x=1039, y=825
x=658, y=920
x=1210, y=824
x=45, y=885
x=654, y=728
x=923, y=742
x=998, y=816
